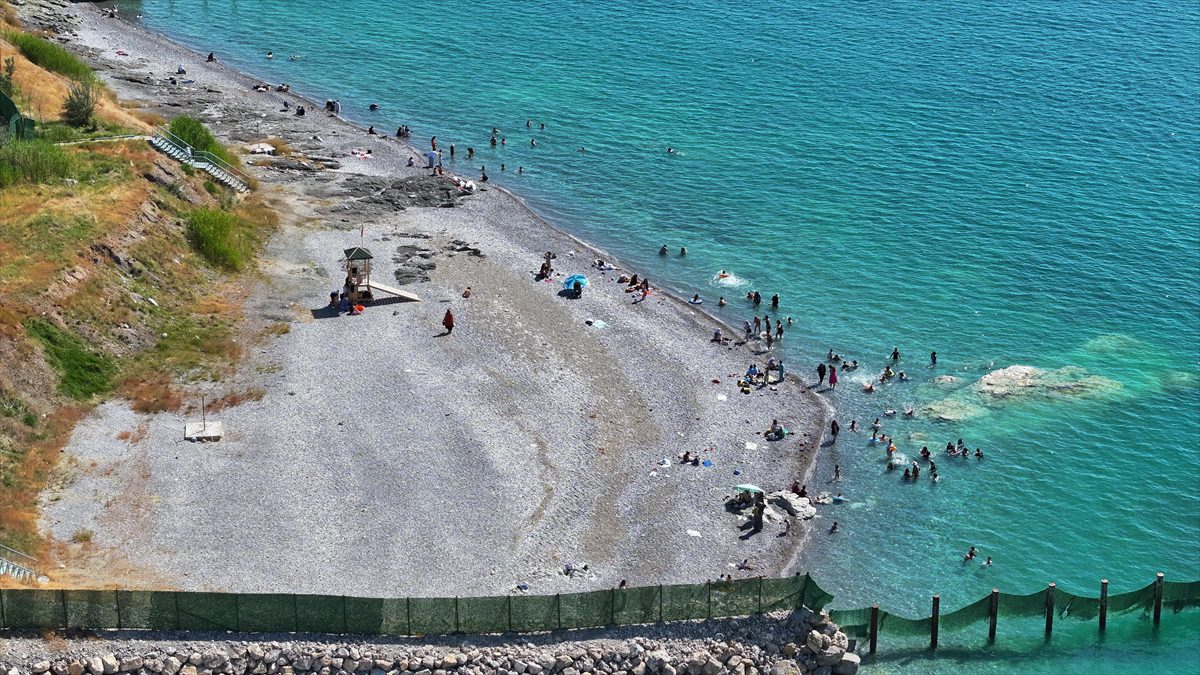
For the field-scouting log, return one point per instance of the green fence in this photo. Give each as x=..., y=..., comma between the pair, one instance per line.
x=290, y=613
x=286, y=613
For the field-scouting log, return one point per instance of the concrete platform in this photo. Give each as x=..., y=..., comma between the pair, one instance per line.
x=199, y=431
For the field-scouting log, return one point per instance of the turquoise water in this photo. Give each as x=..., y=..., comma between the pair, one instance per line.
x=1011, y=183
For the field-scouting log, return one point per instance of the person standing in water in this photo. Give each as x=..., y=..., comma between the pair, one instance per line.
x=451, y=151
x=833, y=378
x=895, y=353
x=933, y=358
x=837, y=471
x=433, y=143
x=834, y=428
x=775, y=301
x=820, y=374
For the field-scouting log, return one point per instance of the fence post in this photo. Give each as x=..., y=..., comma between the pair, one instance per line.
x=1049, y=609
x=933, y=622
x=117, y=597
x=1158, y=595
x=874, y=626
x=993, y=613
x=1103, y=605
x=66, y=618
x=456, y=628
x=408, y=615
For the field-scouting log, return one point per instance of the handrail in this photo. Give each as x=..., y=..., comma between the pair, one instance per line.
x=23, y=555
x=201, y=154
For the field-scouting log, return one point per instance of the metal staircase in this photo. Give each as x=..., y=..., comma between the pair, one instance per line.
x=174, y=147
x=22, y=570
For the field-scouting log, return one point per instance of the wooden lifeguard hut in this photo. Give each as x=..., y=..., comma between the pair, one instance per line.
x=358, y=286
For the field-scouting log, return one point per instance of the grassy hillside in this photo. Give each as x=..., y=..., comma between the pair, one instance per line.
x=117, y=274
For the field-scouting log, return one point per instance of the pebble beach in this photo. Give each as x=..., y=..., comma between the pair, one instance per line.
x=386, y=459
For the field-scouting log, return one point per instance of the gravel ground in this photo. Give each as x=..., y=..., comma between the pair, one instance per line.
x=385, y=459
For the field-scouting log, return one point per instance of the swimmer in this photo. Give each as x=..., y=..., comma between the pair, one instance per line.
x=909, y=412
x=933, y=362
x=670, y=150
x=978, y=453
x=533, y=142
x=270, y=55
x=722, y=274
x=833, y=529
x=520, y=170
x=891, y=466
x=789, y=322
x=907, y=475
x=889, y=413
x=925, y=451
x=853, y=425
x=895, y=353
x=682, y=250
x=868, y=387
x=721, y=302
x=663, y=250
x=989, y=562
x=373, y=106
x=696, y=299
x=876, y=424
x=838, y=498
x=934, y=476
x=903, y=377
x=829, y=356
x=503, y=140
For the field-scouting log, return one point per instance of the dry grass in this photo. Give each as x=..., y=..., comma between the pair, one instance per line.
x=153, y=395
x=8, y=15
x=43, y=94
x=281, y=147
x=231, y=400
x=137, y=435
x=149, y=117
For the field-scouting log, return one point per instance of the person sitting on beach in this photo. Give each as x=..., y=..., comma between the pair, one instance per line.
x=696, y=299
x=752, y=371
x=717, y=337
x=776, y=431
x=371, y=131
x=299, y=111
x=180, y=70
x=211, y=58
x=634, y=280
x=686, y=458
x=771, y=363
x=411, y=161
x=285, y=87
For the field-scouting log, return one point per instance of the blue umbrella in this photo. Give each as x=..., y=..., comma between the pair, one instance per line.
x=569, y=282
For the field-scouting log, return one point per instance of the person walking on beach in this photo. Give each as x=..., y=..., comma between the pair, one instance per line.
x=820, y=374
x=833, y=378
x=834, y=428
x=448, y=322
x=760, y=506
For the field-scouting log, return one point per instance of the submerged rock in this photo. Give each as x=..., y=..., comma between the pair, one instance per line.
x=1027, y=381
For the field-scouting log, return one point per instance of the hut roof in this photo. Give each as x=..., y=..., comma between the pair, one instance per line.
x=358, y=253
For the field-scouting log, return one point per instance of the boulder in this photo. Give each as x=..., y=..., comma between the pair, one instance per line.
x=794, y=505
x=848, y=665
x=110, y=663
x=785, y=668
x=130, y=664
x=41, y=667
x=830, y=656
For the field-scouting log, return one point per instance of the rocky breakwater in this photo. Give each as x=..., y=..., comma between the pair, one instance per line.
x=799, y=643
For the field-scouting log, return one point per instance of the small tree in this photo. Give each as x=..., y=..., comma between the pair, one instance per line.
x=80, y=104
x=7, y=86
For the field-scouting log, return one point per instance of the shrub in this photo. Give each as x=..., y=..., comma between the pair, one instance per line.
x=193, y=132
x=219, y=237
x=48, y=55
x=29, y=420
x=80, y=104
x=35, y=161
x=82, y=372
x=7, y=86
x=211, y=187
x=82, y=536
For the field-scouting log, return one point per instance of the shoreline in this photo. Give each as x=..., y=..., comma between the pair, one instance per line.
x=138, y=76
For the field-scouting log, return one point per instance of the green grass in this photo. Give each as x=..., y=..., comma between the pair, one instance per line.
x=82, y=373
x=193, y=132
x=48, y=55
x=35, y=161
x=221, y=238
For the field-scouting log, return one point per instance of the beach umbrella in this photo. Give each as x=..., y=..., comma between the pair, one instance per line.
x=569, y=282
x=752, y=489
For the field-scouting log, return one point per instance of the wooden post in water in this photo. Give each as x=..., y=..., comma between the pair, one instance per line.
x=874, y=626
x=993, y=613
x=933, y=622
x=1103, y=605
x=1158, y=593
x=1049, y=609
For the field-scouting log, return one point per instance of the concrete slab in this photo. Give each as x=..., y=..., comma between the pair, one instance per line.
x=199, y=431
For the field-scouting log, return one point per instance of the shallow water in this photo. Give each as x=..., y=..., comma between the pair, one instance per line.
x=1004, y=183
